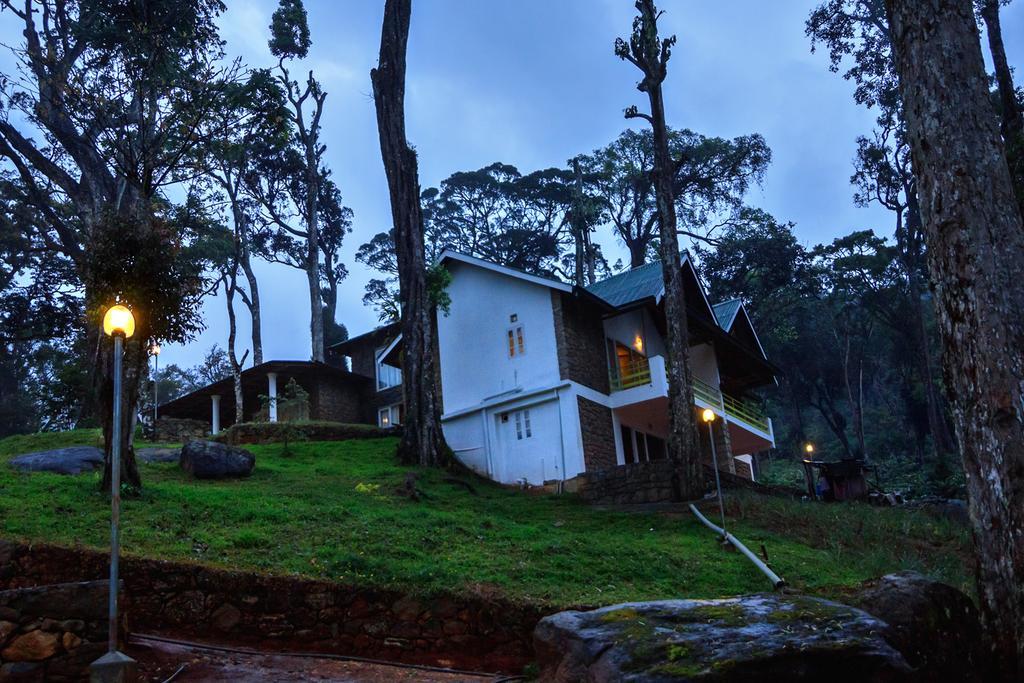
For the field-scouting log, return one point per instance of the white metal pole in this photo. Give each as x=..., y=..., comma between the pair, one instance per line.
x=115, y=491
x=718, y=481
x=156, y=380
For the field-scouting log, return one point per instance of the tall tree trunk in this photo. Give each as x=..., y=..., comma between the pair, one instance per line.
x=230, y=285
x=1013, y=118
x=651, y=55
x=579, y=225
x=637, y=252
x=975, y=247
x=422, y=439
x=254, y=307
x=316, y=310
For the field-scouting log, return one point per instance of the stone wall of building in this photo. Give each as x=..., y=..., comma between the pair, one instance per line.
x=286, y=613
x=54, y=632
x=637, y=483
x=598, y=433
x=339, y=400
x=579, y=334
x=180, y=430
x=723, y=445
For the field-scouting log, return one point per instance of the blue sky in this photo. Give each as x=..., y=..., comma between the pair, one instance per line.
x=534, y=82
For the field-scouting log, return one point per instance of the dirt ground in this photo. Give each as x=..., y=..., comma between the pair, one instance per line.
x=160, y=661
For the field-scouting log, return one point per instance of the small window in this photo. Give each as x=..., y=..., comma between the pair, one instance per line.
x=390, y=416
x=387, y=375
x=523, y=428
x=516, y=341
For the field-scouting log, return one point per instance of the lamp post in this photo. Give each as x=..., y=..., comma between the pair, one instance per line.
x=709, y=417
x=115, y=666
x=808, y=472
x=154, y=351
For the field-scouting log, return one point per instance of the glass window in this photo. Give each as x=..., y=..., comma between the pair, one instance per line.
x=523, y=428
x=387, y=375
x=516, y=341
x=390, y=416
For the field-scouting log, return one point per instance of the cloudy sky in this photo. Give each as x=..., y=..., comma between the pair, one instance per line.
x=533, y=83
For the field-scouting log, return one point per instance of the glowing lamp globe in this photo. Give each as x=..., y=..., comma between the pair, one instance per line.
x=809, y=448
x=119, y=320
x=708, y=415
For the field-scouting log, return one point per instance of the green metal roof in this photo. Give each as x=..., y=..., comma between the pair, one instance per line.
x=725, y=312
x=645, y=282
x=633, y=285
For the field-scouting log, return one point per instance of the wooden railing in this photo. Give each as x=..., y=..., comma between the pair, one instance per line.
x=638, y=373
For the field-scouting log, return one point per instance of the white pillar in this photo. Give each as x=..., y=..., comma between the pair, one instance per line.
x=215, y=421
x=272, y=393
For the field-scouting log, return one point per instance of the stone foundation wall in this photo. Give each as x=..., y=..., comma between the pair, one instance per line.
x=652, y=482
x=598, y=433
x=645, y=482
x=285, y=613
x=180, y=430
x=52, y=633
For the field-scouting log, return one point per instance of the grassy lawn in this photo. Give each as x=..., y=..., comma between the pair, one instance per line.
x=330, y=511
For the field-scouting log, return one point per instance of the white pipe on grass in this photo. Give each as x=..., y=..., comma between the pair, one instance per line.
x=777, y=581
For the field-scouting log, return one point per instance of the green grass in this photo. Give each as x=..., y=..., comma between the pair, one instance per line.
x=330, y=511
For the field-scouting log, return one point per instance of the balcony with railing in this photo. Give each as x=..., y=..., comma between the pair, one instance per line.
x=639, y=373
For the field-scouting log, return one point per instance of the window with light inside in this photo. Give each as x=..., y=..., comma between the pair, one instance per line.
x=516, y=341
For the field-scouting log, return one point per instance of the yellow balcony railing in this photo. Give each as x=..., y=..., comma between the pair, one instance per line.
x=634, y=374
x=734, y=407
x=638, y=373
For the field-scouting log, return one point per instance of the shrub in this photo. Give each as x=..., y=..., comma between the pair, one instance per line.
x=278, y=432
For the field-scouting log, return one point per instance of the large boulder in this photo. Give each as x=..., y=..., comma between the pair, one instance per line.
x=753, y=638
x=213, y=460
x=934, y=625
x=72, y=460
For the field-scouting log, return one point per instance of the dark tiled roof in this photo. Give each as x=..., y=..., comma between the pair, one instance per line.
x=633, y=285
x=726, y=311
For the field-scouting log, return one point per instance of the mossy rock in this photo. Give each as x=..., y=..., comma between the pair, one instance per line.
x=752, y=638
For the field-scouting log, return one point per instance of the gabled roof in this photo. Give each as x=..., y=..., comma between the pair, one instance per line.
x=451, y=255
x=376, y=336
x=645, y=282
x=725, y=312
x=639, y=283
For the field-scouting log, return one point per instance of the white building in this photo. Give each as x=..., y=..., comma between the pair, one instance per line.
x=541, y=381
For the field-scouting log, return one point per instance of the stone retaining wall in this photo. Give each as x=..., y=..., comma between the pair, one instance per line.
x=285, y=613
x=638, y=483
x=52, y=633
x=652, y=482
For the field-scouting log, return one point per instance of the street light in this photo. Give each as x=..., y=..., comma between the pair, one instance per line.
x=154, y=350
x=809, y=449
x=119, y=323
x=709, y=417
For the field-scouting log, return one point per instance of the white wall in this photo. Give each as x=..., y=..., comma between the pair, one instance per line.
x=704, y=363
x=626, y=327
x=473, y=337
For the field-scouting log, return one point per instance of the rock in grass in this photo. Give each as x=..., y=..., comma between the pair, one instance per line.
x=933, y=624
x=72, y=460
x=212, y=460
x=753, y=638
x=158, y=454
